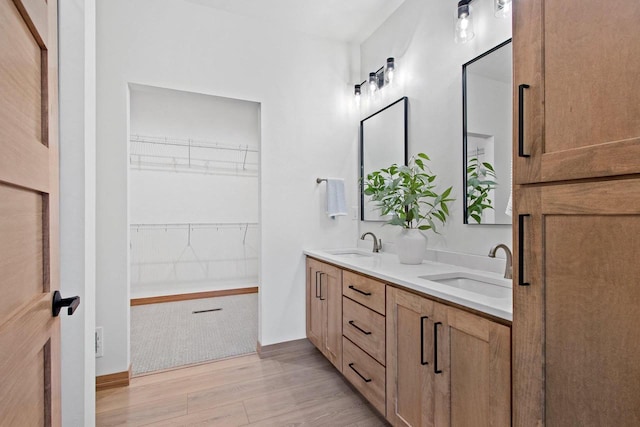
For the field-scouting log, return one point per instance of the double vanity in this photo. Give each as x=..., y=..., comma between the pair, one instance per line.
x=426, y=344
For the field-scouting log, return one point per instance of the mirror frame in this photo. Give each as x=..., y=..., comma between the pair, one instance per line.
x=464, y=129
x=405, y=146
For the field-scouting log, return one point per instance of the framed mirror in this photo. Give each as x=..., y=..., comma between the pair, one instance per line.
x=487, y=134
x=383, y=142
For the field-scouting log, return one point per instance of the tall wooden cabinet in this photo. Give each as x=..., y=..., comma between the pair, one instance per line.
x=324, y=309
x=445, y=366
x=576, y=335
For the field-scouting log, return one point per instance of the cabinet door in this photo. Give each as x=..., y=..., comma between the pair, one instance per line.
x=410, y=392
x=576, y=331
x=331, y=298
x=581, y=110
x=473, y=371
x=315, y=316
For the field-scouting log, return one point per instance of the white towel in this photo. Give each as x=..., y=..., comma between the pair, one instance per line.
x=336, y=203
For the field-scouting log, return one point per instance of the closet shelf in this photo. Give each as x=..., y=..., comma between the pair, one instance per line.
x=191, y=155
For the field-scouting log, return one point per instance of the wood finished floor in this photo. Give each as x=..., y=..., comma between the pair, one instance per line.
x=293, y=385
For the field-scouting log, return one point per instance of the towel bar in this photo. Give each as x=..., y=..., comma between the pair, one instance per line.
x=319, y=180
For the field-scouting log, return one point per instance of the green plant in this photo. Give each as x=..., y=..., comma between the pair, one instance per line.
x=480, y=181
x=408, y=193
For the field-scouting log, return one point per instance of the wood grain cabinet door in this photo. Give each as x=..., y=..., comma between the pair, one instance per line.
x=331, y=297
x=576, y=334
x=315, y=315
x=473, y=370
x=29, y=335
x=576, y=89
x=410, y=362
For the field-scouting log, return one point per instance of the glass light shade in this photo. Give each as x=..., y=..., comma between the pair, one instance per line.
x=390, y=69
x=464, y=29
x=373, y=82
x=502, y=8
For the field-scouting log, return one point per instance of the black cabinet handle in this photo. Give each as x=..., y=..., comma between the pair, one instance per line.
x=366, y=380
x=521, y=281
x=435, y=348
x=521, y=89
x=359, y=328
x=422, y=361
x=321, y=299
x=367, y=294
x=59, y=302
x=317, y=281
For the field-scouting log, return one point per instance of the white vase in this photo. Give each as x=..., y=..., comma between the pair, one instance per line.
x=411, y=246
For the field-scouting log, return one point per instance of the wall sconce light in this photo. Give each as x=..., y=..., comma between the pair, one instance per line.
x=502, y=8
x=378, y=79
x=464, y=24
x=373, y=82
x=390, y=70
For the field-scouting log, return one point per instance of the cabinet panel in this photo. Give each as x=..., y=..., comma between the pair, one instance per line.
x=581, y=106
x=478, y=366
x=367, y=375
x=576, y=337
x=365, y=328
x=410, y=390
x=314, y=305
x=366, y=291
x=324, y=309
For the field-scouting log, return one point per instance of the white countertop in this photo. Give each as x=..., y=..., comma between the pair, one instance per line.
x=386, y=267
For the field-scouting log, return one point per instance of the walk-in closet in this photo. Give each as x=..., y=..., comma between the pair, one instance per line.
x=194, y=231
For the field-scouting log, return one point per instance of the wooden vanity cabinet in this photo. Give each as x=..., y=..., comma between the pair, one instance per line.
x=324, y=309
x=445, y=366
x=576, y=77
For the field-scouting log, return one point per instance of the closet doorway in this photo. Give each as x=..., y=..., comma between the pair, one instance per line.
x=193, y=222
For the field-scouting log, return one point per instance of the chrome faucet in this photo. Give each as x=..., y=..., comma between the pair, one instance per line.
x=377, y=243
x=508, y=269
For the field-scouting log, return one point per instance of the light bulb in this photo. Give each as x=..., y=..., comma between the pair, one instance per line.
x=373, y=82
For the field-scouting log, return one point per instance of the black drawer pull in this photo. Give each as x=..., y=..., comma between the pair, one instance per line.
x=321, y=274
x=366, y=380
x=359, y=328
x=521, y=89
x=317, y=282
x=367, y=294
x=521, y=281
x=422, y=361
x=435, y=348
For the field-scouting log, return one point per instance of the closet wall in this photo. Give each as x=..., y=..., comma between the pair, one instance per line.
x=193, y=193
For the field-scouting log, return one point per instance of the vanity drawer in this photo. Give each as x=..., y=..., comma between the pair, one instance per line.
x=367, y=375
x=367, y=292
x=365, y=328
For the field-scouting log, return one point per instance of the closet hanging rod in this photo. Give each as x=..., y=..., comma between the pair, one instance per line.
x=193, y=143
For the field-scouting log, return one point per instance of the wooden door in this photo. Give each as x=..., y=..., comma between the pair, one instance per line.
x=29, y=335
x=315, y=316
x=331, y=297
x=579, y=62
x=410, y=388
x=576, y=329
x=474, y=365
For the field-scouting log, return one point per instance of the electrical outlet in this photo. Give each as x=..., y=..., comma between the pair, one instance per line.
x=99, y=342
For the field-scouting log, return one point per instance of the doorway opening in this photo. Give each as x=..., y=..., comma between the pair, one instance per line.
x=193, y=222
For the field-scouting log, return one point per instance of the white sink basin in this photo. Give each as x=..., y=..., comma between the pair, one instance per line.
x=487, y=286
x=350, y=253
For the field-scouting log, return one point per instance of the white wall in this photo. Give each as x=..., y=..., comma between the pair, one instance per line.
x=308, y=129
x=183, y=259
x=77, y=102
x=420, y=36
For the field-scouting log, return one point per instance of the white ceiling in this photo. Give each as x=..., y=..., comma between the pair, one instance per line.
x=343, y=20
